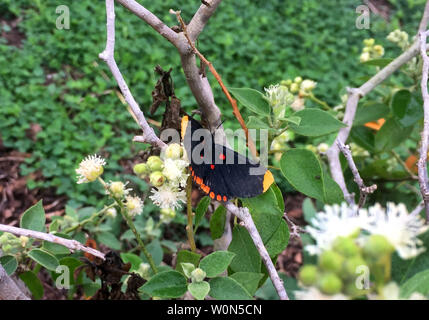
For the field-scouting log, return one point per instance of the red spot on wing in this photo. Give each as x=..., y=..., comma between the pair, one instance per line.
x=222, y=156
x=212, y=166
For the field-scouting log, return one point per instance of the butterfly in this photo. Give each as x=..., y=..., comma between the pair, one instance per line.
x=220, y=172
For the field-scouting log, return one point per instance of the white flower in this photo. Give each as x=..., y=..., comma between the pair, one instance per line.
x=313, y=293
x=298, y=104
x=397, y=226
x=168, y=196
x=278, y=97
x=391, y=291
x=111, y=212
x=117, y=189
x=174, y=171
x=308, y=85
x=90, y=169
x=322, y=148
x=334, y=222
x=134, y=205
x=365, y=57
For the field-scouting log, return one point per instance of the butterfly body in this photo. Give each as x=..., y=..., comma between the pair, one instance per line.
x=220, y=172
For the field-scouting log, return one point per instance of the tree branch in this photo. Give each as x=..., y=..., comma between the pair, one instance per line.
x=70, y=244
x=200, y=18
x=352, y=103
x=107, y=55
x=8, y=288
x=244, y=215
x=364, y=190
x=422, y=163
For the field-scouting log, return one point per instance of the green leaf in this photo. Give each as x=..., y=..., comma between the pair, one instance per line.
x=293, y=119
x=265, y=212
x=72, y=264
x=33, y=284
x=279, y=240
x=216, y=263
x=56, y=248
x=168, y=284
x=400, y=102
x=364, y=137
x=34, y=218
x=155, y=250
x=333, y=193
x=316, y=122
x=199, y=290
x=186, y=256
x=249, y=280
x=187, y=269
x=308, y=209
x=418, y=283
x=279, y=196
x=132, y=258
x=256, y=123
x=9, y=264
x=370, y=112
x=247, y=256
x=109, y=239
x=251, y=99
x=303, y=171
x=217, y=222
x=413, y=112
x=225, y=288
x=201, y=210
x=44, y=258
x=380, y=62
x=390, y=135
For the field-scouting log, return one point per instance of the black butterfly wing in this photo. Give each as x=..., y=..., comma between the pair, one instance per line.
x=223, y=174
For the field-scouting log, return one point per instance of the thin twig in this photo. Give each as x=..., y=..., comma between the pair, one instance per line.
x=417, y=209
x=296, y=230
x=200, y=19
x=189, y=229
x=107, y=55
x=72, y=245
x=422, y=163
x=364, y=190
x=244, y=215
x=352, y=102
x=212, y=69
x=404, y=165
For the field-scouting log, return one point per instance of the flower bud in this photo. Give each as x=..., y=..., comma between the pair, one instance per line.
x=167, y=214
x=111, y=212
x=198, y=275
x=297, y=80
x=330, y=284
x=24, y=241
x=364, y=57
x=331, y=261
x=308, y=275
x=377, y=246
x=308, y=85
x=117, y=189
x=144, y=270
x=141, y=169
x=174, y=151
x=154, y=163
x=346, y=247
x=286, y=83
x=379, y=50
x=157, y=179
x=322, y=148
x=294, y=87
x=369, y=42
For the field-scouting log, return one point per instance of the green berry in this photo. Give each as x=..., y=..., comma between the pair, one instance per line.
x=350, y=265
x=141, y=169
x=331, y=261
x=157, y=179
x=330, y=284
x=174, y=151
x=352, y=291
x=308, y=275
x=377, y=246
x=154, y=163
x=346, y=247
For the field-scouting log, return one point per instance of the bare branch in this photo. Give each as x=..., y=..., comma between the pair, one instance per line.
x=107, y=55
x=200, y=18
x=151, y=20
x=70, y=244
x=422, y=163
x=364, y=190
x=353, y=100
x=417, y=209
x=244, y=215
x=8, y=288
x=296, y=230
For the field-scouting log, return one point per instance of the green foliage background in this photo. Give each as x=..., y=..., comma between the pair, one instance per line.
x=53, y=81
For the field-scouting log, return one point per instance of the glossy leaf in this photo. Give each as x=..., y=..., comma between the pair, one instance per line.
x=44, y=258
x=247, y=256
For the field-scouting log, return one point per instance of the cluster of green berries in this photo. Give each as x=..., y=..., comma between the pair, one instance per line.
x=298, y=85
x=10, y=244
x=337, y=269
x=152, y=169
x=371, y=50
x=400, y=38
